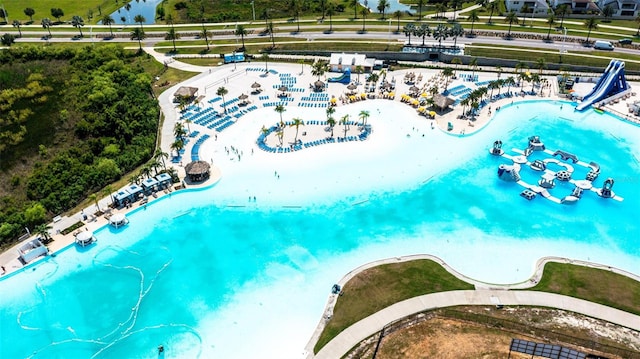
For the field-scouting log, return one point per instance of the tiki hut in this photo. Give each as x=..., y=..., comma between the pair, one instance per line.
x=318, y=86
x=186, y=93
x=197, y=171
x=442, y=101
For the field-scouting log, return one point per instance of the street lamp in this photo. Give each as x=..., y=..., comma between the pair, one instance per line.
x=234, y=60
x=389, y=28
x=253, y=9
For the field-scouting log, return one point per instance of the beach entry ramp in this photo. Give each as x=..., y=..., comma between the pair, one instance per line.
x=612, y=82
x=345, y=78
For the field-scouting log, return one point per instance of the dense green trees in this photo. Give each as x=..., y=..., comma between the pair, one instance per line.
x=105, y=112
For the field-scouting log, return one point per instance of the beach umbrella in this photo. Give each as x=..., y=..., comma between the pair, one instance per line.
x=283, y=88
x=414, y=89
x=424, y=94
x=432, y=113
x=392, y=94
x=256, y=85
x=333, y=100
x=243, y=97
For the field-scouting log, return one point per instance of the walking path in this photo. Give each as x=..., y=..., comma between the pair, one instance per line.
x=485, y=294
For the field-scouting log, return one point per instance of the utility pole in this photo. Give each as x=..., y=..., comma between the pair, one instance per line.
x=253, y=9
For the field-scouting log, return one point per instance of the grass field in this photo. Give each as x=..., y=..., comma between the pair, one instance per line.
x=379, y=287
x=595, y=285
x=15, y=8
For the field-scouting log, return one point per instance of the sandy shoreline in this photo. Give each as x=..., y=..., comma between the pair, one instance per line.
x=235, y=142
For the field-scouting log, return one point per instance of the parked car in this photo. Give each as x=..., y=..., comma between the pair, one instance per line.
x=625, y=41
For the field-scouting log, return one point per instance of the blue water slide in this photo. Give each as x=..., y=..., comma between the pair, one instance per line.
x=345, y=78
x=611, y=82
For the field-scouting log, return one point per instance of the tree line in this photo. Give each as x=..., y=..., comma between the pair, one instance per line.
x=107, y=107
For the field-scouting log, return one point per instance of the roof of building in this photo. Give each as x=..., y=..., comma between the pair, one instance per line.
x=186, y=91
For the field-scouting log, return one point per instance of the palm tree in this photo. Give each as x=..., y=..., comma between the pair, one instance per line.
x=364, y=13
x=492, y=6
x=456, y=61
x=383, y=5
x=591, y=24
x=473, y=17
x=280, y=109
x=94, y=198
x=344, y=120
x=139, y=19
x=138, y=34
x=323, y=7
x=541, y=64
x=221, y=92
x=330, y=12
x=43, y=231
x=523, y=10
x=29, y=12
x=108, y=20
x=398, y=15
x=265, y=57
x=319, y=68
x=511, y=18
x=493, y=85
x=562, y=11
x=447, y=73
x=78, y=23
x=358, y=69
x=422, y=31
x=172, y=35
x=534, y=78
x=510, y=81
x=295, y=9
x=17, y=23
x=364, y=115
x=297, y=122
x=332, y=123
x=46, y=24
x=204, y=32
x=440, y=33
x=179, y=131
x=108, y=191
x=241, y=31
x=162, y=156
x=420, y=4
x=456, y=31
x=177, y=145
x=637, y=19
x=474, y=66
x=551, y=19
x=455, y=5
x=441, y=9
x=271, y=30
x=355, y=4
x=408, y=30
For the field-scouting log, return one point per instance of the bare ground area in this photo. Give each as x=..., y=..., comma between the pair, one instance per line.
x=442, y=334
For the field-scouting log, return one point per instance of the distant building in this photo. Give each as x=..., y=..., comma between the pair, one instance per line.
x=535, y=6
x=621, y=7
x=578, y=6
x=341, y=61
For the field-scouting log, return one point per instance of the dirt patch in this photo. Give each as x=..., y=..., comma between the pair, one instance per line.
x=450, y=334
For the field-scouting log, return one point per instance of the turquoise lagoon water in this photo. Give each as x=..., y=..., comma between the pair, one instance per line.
x=211, y=281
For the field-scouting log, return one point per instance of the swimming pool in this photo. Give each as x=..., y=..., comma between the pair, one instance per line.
x=207, y=273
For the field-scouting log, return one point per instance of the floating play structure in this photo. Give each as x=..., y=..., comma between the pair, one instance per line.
x=612, y=83
x=564, y=164
x=344, y=78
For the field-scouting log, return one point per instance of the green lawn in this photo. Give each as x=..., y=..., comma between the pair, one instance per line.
x=595, y=285
x=15, y=8
x=379, y=287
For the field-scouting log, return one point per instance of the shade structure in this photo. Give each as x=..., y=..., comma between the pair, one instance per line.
x=186, y=92
x=319, y=84
x=84, y=238
x=197, y=171
x=283, y=88
x=243, y=97
x=255, y=85
x=414, y=89
x=442, y=101
x=352, y=87
x=118, y=220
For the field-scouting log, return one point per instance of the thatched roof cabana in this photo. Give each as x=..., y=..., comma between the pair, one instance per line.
x=442, y=101
x=186, y=92
x=197, y=170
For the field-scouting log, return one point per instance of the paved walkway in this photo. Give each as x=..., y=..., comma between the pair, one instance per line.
x=374, y=323
x=485, y=294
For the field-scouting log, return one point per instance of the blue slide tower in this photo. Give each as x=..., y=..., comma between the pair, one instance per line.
x=345, y=78
x=611, y=82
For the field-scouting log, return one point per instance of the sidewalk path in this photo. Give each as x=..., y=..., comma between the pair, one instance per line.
x=374, y=323
x=485, y=294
